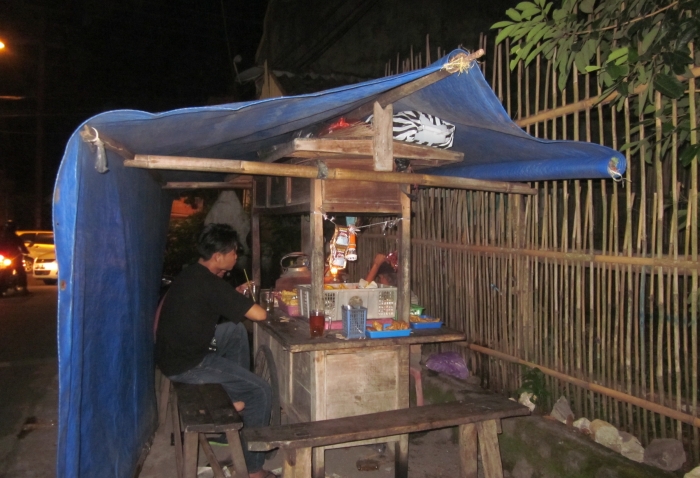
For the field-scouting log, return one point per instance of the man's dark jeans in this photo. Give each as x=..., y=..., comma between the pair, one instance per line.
x=230, y=366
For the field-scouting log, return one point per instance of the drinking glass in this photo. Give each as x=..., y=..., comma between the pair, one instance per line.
x=251, y=291
x=267, y=301
x=317, y=322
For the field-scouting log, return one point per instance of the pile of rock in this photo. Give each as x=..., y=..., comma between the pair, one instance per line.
x=664, y=453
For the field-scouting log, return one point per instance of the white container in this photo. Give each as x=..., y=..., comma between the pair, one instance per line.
x=380, y=302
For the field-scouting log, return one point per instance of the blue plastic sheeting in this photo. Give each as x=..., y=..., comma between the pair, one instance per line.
x=111, y=230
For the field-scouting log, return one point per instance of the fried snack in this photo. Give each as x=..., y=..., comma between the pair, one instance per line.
x=289, y=297
x=418, y=318
x=397, y=325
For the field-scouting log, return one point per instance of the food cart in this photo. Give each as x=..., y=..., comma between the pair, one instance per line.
x=330, y=376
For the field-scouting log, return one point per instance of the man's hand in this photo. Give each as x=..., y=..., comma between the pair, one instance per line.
x=243, y=287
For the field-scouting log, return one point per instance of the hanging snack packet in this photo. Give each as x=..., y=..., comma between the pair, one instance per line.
x=339, y=245
x=351, y=253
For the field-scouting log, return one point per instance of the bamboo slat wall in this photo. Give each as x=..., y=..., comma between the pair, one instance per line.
x=595, y=280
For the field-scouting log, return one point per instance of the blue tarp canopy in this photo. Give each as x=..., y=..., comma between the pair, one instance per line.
x=111, y=229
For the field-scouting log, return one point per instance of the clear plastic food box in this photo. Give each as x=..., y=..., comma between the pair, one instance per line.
x=380, y=302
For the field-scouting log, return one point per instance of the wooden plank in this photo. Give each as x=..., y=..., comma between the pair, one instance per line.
x=488, y=445
x=293, y=336
x=206, y=408
x=236, y=448
x=375, y=425
x=364, y=148
x=282, y=210
x=382, y=145
x=204, y=185
x=190, y=452
x=213, y=461
x=317, y=252
x=392, y=96
x=255, y=237
x=312, y=172
x=297, y=463
x=468, y=450
x=404, y=276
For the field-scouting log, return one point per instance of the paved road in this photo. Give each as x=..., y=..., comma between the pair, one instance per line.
x=28, y=383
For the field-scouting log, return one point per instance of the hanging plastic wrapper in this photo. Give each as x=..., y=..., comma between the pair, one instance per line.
x=339, y=246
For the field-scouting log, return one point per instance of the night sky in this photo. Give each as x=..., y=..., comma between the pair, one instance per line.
x=100, y=55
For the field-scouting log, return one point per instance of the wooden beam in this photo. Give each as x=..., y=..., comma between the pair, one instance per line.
x=317, y=252
x=382, y=145
x=404, y=276
x=318, y=148
x=205, y=185
x=90, y=134
x=313, y=172
x=392, y=96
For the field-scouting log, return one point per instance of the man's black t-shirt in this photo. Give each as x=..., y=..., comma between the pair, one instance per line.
x=195, y=302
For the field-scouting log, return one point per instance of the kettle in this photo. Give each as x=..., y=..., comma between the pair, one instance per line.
x=295, y=273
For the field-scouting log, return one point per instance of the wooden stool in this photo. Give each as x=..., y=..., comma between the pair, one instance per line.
x=200, y=409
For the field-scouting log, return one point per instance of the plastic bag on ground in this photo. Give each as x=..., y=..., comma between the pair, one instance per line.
x=450, y=363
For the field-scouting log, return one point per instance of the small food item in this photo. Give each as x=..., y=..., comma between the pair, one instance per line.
x=397, y=325
x=289, y=297
x=418, y=318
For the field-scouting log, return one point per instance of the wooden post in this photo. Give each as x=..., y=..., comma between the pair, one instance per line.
x=255, y=236
x=404, y=289
x=488, y=446
x=383, y=137
x=468, y=450
x=316, y=239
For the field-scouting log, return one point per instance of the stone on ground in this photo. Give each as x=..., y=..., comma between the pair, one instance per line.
x=583, y=425
x=631, y=447
x=606, y=434
x=665, y=453
x=562, y=411
x=694, y=473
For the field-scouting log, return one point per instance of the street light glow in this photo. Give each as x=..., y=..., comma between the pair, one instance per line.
x=2, y=45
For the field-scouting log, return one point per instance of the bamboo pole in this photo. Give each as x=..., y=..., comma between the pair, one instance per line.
x=594, y=387
x=553, y=113
x=181, y=163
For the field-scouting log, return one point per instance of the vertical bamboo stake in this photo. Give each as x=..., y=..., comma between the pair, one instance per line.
x=692, y=229
x=659, y=252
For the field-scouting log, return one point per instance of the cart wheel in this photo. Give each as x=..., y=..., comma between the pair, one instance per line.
x=266, y=369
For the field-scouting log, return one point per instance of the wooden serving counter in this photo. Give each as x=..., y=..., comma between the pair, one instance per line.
x=332, y=377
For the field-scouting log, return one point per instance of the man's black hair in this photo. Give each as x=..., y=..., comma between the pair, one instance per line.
x=217, y=238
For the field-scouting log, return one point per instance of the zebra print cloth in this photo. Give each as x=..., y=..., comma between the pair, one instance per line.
x=422, y=128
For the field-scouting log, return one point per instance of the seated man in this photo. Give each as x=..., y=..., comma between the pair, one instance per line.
x=192, y=348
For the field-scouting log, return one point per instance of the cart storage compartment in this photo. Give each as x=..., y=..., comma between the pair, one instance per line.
x=380, y=302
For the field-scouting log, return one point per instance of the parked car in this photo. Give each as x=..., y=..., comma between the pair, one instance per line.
x=38, y=242
x=46, y=268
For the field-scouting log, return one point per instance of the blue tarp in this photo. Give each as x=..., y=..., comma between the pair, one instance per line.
x=111, y=229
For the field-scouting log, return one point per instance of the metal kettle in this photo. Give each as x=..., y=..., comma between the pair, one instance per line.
x=295, y=272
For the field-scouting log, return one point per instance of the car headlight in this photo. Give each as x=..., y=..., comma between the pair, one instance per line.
x=5, y=262
x=51, y=266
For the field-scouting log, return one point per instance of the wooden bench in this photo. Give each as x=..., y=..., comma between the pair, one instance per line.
x=200, y=409
x=478, y=419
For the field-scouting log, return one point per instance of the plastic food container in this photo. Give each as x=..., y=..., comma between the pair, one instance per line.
x=426, y=325
x=386, y=334
x=380, y=302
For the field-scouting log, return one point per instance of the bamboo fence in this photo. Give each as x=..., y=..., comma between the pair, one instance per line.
x=595, y=282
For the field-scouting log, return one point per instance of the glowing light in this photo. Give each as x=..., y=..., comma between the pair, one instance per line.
x=2, y=45
x=334, y=270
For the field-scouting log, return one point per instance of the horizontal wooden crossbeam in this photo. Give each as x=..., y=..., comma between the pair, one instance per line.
x=178, y=163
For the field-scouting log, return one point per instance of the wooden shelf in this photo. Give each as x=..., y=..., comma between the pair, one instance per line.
x=420, y=156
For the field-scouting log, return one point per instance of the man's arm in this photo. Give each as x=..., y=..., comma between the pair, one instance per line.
x=256, y=313
x=378, y=260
